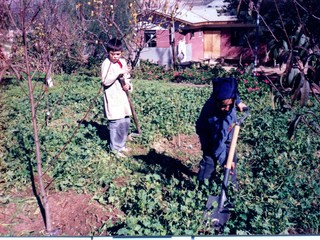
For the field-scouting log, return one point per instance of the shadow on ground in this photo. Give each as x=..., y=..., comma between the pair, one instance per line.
x=102, y=130
x=168, y=166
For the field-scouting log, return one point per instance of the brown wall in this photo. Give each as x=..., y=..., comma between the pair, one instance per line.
x=234, y=52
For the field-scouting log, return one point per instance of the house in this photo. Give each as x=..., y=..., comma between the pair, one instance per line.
x=202, y=32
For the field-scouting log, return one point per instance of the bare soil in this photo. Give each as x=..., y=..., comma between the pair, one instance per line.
x=76, y=214
x=72, y=215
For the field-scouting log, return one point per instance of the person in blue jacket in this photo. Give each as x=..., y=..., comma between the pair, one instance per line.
x=215, y=127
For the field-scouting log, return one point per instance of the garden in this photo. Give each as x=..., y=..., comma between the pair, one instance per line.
x=154, y=191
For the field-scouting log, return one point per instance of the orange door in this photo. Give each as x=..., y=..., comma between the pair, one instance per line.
x=211, y=44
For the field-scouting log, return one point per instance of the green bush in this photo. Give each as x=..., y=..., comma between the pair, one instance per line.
x=200, y=76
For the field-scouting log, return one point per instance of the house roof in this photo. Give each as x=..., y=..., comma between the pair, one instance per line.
x=194, y=14
x=198, y=13
x=205, y=13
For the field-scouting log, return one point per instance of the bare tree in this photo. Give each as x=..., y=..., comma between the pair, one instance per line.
x=128, y=20
x=21, y=17
x=55, y=34
x=37, y=36
x=291, y=30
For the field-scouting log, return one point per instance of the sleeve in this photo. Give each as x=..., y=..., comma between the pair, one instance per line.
x=219, y=138
x=202, y=124
x=108, y=77
x=127, y=76
x=222, y=135
x=238, y=100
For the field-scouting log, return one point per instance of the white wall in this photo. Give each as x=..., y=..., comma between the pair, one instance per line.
x=161, y=56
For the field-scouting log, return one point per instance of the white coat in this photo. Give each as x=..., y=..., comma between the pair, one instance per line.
x=116, y=104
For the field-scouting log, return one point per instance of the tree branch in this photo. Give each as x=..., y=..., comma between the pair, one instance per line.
x=318, y=18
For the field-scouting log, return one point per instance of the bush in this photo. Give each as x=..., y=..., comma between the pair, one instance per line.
x=200, y=76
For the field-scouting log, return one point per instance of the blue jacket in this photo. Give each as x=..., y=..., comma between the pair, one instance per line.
x=215, y=131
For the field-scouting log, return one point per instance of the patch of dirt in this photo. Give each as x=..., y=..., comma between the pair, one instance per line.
x=181, y=146
x=76, y=214
x=185, y=148
x=72, y=215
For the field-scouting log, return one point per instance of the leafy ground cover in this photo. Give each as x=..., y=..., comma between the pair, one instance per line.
x=154, y=191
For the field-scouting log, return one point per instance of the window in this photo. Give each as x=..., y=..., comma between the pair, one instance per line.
x=237, y=38
x=150, y=38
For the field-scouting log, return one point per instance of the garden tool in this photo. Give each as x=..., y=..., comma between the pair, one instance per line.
x=221, y=214
x=134, y=115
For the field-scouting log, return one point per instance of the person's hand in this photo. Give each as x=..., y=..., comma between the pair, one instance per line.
x=126, y=87
x=124, y=74
x=120, y=75
x=241, y=106
x=233, y=166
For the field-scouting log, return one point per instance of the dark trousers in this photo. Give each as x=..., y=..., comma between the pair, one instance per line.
x=207, y=168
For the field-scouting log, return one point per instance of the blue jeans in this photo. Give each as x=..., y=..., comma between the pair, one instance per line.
x=118, y=130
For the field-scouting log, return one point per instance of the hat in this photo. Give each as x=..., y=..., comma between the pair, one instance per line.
x=224, y=88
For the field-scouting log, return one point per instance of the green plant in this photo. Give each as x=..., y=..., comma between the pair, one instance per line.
x=198, y=76
x=278, y=177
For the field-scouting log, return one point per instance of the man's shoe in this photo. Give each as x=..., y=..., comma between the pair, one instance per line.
x=119, y=154
x=125, y=149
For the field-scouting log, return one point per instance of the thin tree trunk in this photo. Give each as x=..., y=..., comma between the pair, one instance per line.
x=48, y=79
x=172, y=44
x=44, y=199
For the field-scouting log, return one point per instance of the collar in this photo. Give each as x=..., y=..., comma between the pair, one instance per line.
x=120, y=64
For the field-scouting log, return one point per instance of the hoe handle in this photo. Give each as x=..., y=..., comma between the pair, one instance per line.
x=134, y=115
x=233, y=146
x=235, y=137
x=227, y=168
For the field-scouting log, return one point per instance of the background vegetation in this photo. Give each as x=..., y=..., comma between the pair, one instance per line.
x=61, y=131
x=279, y=177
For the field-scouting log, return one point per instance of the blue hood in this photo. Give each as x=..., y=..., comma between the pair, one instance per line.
x=224, y=88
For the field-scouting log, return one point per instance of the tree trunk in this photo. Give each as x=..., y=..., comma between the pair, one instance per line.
x=172, y=43
x=44, y=199
x=48, y=79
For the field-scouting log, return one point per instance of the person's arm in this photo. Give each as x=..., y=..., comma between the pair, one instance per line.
x=220, y=148
x=240, y=105
x=222, y=135
x=109, y=77
x=219, y=129
x=127, y=76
